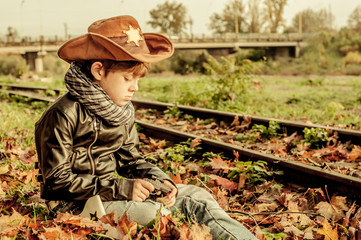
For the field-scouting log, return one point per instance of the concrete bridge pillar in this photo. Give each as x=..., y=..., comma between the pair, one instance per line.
x=35, y=61
x=219, y=52
x=282, y=52
x=297, y=51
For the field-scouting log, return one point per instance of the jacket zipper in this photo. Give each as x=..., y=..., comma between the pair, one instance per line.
x=96, y=126
x=126, y=131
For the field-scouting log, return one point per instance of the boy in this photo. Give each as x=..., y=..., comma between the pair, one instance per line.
x=89, y=133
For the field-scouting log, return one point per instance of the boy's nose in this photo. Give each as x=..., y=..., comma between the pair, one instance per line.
x=134, y=87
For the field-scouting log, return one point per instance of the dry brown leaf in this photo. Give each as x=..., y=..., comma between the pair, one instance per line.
x=4, y=169
x=14, y=220
x=224, y=182
x=195, y=142
x=221, y=197
x=8, y=233
x=241, y=181
x=218, y=163
x=176, y=178
x=294, y=231
x=127, y=226
x=156, y=144
x=334, y=210
x=309, y=233
x=328, y=232
x=78, y=221
x=267, y=207
x=110, y=224
x=346, y=220
x=54, y=233
x=304, y=220
x=195, y=232
x=355, y=154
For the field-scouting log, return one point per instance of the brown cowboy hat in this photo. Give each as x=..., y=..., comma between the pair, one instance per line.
x=118, y=38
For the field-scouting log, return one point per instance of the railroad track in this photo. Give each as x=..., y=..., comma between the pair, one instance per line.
x=297, y=172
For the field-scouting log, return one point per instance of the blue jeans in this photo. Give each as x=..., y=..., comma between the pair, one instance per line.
x=193, y=201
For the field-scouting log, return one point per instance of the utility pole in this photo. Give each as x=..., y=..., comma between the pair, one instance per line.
x=300, y=23
x=330, y=15
x=236, y=19
x=66, y=31
x=22, y=19
x=41, y=23
x=190, y=21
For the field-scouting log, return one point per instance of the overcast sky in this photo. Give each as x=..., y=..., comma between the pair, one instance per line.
x=47, y=17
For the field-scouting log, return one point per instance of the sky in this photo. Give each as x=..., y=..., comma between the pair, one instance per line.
x=49, y=17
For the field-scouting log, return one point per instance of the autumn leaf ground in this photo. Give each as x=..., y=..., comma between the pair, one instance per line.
x=249, y=191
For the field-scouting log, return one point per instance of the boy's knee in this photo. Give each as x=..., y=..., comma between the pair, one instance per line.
x=145, y=212
x=193, y=191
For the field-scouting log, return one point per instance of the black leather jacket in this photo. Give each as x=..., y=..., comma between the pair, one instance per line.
x=79, y=154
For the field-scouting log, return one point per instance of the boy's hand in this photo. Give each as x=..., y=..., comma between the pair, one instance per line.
x=169, y=200
x=141, y=190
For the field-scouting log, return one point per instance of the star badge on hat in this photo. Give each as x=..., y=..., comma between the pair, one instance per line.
x=133, y=35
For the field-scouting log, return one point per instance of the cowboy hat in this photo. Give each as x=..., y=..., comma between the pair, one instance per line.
x=118, y=38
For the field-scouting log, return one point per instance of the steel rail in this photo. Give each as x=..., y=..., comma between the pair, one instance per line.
x=343, y=134
x=296, y=172
x=28, y=95
x=31, y=88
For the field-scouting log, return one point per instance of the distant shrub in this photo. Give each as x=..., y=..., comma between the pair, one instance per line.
x=54, y=65
x=13, y=65
x=160, y=67
x=351, y=58
x=353, y=69
x=344, y=50
x=189, y=61
x=250, y=54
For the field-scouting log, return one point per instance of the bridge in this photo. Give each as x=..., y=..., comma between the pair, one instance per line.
x=275, y=45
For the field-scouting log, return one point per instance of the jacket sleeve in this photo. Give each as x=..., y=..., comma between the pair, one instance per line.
x=132, y=165
x=54, y=143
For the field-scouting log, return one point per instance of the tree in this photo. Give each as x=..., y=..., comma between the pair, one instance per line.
x=312, y=21
x=354, y=20
x=170, y=17
x=231, y=16
x=12, y=35
x=254, y=13
x=274, y=14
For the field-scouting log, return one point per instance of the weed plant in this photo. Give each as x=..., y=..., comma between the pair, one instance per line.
x=316, y=137
x=254, y=172
x=331, y=100
x=18, y=120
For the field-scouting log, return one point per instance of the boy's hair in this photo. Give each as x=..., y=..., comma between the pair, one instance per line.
x=139, y=69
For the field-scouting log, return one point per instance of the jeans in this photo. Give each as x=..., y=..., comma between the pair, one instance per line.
x=194, y=202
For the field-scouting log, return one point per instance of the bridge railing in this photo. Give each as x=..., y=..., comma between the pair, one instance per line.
x=224, y=37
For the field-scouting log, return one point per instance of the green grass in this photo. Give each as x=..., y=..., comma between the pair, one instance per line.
x=327, y=100
x=17, y=122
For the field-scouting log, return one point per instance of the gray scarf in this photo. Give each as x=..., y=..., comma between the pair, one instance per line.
x=94, y=98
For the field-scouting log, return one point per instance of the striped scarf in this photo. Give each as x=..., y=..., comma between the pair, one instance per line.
x=94, y=98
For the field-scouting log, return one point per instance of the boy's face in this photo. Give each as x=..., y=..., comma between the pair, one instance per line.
x=120, y=86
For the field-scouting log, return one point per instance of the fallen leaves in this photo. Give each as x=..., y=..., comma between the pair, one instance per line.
x=267, y=208
x=290, y=147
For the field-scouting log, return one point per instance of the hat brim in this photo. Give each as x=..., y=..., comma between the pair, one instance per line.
x=93, y=46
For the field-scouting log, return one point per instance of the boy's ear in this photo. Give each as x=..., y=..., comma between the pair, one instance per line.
x=97, y=70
